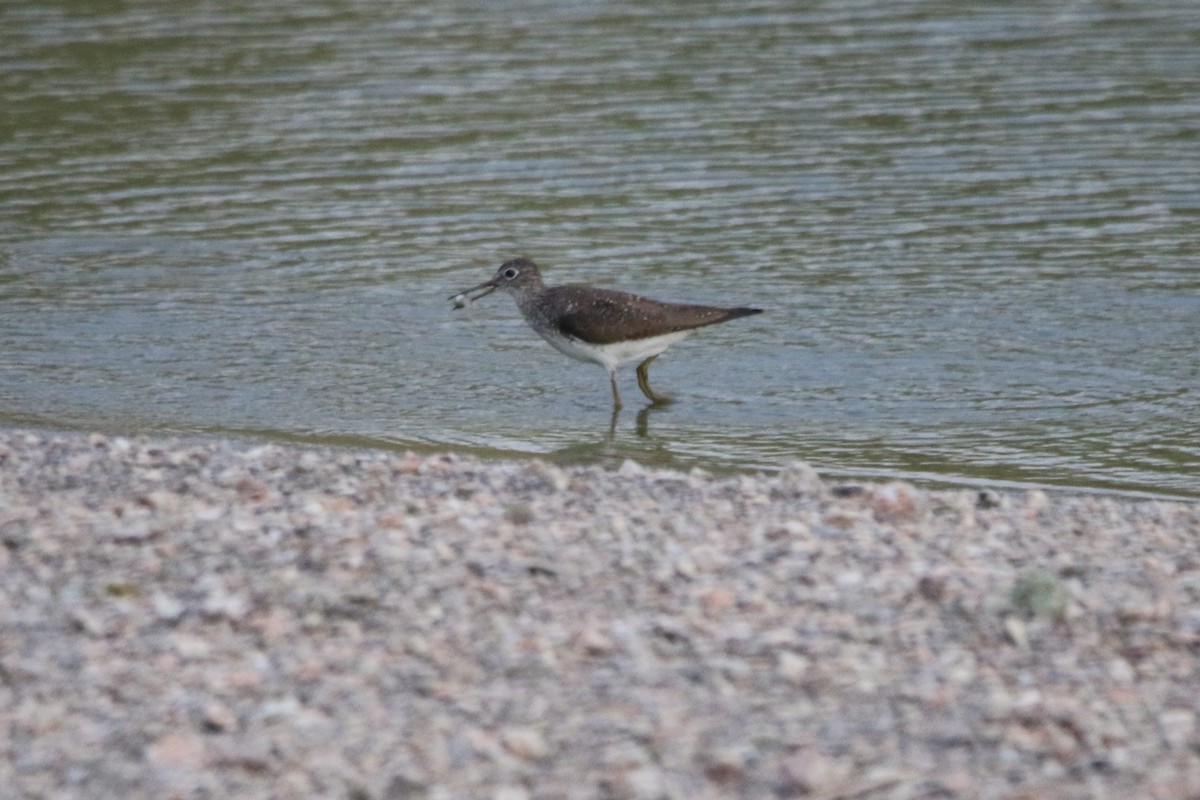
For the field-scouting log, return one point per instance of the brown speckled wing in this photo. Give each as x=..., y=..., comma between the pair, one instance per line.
x=604, y=316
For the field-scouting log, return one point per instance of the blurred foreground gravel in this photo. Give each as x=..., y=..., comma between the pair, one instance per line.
x=214, y=619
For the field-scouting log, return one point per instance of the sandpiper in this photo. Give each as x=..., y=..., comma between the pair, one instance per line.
x=603, y=326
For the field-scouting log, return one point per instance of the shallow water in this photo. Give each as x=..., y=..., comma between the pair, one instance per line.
x=975, y=230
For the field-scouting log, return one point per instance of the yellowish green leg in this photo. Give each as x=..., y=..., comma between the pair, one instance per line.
x=643, y=376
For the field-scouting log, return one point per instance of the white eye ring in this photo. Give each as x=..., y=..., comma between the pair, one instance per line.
x=510, y=273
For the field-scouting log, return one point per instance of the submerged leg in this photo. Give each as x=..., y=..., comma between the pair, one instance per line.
x=612, y=378
x=643, y=376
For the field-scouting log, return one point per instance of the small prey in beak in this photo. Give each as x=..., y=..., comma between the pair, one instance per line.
x=464, y=297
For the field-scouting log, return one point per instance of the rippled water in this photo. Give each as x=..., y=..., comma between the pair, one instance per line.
x=975, y=229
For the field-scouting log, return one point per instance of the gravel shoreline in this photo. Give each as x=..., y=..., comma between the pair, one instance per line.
x=218, y=619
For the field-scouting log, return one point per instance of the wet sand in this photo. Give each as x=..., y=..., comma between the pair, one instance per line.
x=217, y=619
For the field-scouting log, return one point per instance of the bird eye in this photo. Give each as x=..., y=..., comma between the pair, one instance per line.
x=510, y=273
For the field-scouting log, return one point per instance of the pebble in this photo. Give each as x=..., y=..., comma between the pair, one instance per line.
x=811, y=772
x=896, y=502
x=793, y=667
x=219, y=717
x=510, y=793
x=525, y=743
x=177, y=751
x=220, y=618
x=167, y=608
x=1179, y=727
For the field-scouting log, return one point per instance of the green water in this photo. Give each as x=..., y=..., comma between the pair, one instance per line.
x=976, y=229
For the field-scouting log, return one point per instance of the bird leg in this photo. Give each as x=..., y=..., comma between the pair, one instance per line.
x=643, y=376
x=612, y=378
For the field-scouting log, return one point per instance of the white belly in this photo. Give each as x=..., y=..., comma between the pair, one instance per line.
x=611, y=355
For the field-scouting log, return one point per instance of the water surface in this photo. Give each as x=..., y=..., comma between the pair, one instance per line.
x=976, y=230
